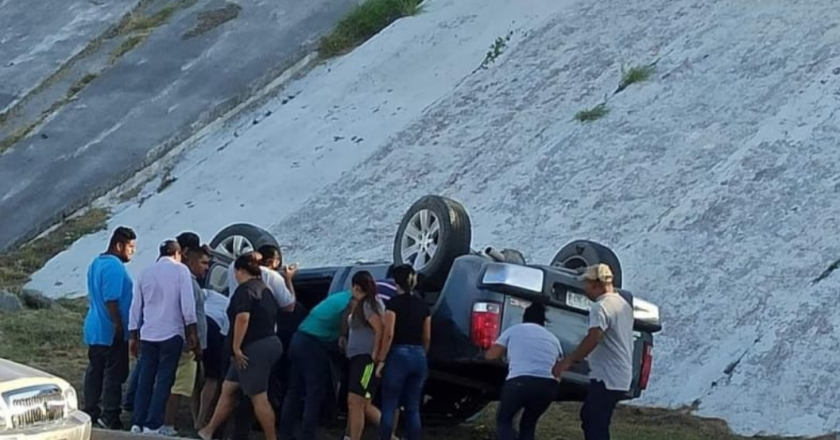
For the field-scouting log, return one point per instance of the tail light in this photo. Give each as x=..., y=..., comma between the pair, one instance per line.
x=486, y=320
x=647, y=363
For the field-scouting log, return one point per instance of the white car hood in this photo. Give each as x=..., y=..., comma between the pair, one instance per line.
x=12, y=371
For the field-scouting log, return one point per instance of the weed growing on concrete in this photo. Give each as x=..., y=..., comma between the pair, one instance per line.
x=126, y=46
x=592, y=114
x=81, y=84
x=140, y=22
x=496, y=49
x=209, y=20
x=17, y=265
x=363, y=22
x=16, y=136
x=634, y=75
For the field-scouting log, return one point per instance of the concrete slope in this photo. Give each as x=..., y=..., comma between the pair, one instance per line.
x=150, y=99
x=715, y=181
x=37, y=36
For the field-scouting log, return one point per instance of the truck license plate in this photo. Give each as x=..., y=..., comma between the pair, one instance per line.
x=578, y=301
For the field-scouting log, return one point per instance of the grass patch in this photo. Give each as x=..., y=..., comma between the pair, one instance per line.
x=365, y=21
x=16, y=266
x=209, y=20
x=635, y=75
x=126, y=46
x=16, y=136
x=140, y=22
x=592, y=114
x=81, y=84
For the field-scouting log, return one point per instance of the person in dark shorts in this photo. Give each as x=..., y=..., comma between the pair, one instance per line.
x=363, y=351
x=406, y=339
x=533, y=353
x=254, y=344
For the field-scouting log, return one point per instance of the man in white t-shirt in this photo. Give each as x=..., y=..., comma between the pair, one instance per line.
x=609, y=348
x=280, y=285
x=531, y=387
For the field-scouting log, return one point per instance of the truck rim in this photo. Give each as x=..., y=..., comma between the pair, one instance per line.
x=421, y=239
x=234, y=246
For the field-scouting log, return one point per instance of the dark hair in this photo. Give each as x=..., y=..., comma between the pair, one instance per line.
x=199, y=251
x=404, y=276
x=365, y=281
x=169, y=248
x=188, y=240
x=249, y=262
x=122, y=235
x=270, y=251
x=534, y=314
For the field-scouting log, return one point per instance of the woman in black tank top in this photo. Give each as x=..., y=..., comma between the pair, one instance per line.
x=405, y=343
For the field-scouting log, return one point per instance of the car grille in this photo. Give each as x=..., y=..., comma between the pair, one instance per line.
x=35, y=406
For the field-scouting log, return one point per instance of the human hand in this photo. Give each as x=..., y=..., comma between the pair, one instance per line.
x=560, y=368
x=241, y=359
x=379, y=368
x=342, y=343
x=290, y=271
x=133, y=347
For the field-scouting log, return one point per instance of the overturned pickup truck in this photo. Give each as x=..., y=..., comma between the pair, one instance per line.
x=474, y=296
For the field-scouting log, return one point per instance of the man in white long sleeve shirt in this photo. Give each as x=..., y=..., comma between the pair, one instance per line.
x=164, y=303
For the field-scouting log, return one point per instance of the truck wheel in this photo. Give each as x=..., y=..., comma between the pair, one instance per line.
x=432, y=234
x=232, y=242
x=240, y=238
x=582, y=253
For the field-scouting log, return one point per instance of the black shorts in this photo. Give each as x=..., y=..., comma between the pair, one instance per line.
x=213, y=355
x=262, y=355
x=361, y=377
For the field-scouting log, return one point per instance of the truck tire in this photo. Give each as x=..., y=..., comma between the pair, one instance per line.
x=239, y=238
x=232, y=242
x=432, y=234
x=581, y=253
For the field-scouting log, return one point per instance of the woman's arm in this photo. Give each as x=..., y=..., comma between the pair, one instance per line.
x=375, y=321
x=240, y=326
x=387, y=333
x=427, y=333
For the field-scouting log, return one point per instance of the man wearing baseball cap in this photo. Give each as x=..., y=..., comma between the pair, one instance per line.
x=609, y=348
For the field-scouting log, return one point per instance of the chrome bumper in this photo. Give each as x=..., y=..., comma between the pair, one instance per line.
x=76, y=426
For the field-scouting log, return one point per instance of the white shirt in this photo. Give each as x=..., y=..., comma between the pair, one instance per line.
x=215, y=306
x=164, y=301
x=612, y=359
x=531, y=350
x=275, y=282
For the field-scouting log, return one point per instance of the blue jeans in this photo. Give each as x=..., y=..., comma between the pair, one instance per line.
x=403, y=378
x=532, y=395
x=155, y=379
x=131, y=389
x=309, y=374
x=597, y=410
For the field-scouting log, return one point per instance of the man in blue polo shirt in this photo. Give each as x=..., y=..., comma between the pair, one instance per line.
x=106, y=329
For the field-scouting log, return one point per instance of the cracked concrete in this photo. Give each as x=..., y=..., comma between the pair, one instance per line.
x=136, y=108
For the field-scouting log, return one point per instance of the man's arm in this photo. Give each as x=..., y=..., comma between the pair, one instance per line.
x=598, y=324
x=135, y=317
x=279, y=287
x=187, y=295
x=112, y=292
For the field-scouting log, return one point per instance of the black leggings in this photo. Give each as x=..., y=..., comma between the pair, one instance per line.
x=531, y=394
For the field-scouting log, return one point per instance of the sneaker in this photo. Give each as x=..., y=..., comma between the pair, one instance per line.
x=136, y=429
x=114, y=425
x=168, y=431
x=152, y=432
